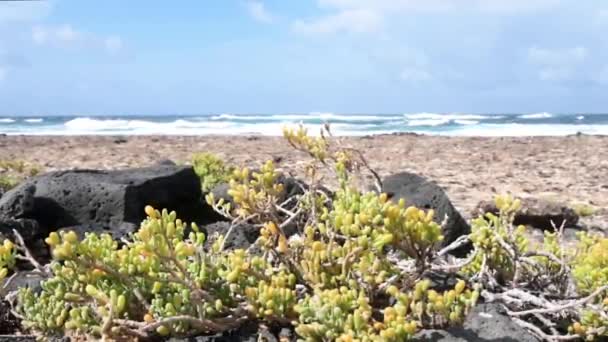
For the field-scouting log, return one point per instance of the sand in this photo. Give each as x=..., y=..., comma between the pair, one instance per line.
x=570, y=169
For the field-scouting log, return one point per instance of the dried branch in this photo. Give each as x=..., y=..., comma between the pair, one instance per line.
x=28, y=255
x=558, y=308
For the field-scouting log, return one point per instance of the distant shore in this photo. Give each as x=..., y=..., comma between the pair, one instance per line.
x=470, y=169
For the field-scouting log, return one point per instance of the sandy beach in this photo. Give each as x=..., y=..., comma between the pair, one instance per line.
x=570, y=169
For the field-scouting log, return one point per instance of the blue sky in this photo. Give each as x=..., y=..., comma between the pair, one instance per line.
x=278, y=56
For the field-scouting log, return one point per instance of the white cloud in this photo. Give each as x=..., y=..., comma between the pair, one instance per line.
x=369, y=15
x=415, y=75
x=601, y=17
x=67, y=36
x=440, y=5
x=23, y=11
x=557, y=56
x=63, y=34
x=39, y=35
x=557, y=64
x=357, y=21
x=555, y=74
x=113, y=44
x=258, y=11
x=602, y=75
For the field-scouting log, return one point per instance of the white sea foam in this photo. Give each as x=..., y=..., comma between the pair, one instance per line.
x=580, y=117
x=88, y=126
x=428, y=122
x=466, y=122
x=301, y=117
x=34, y=120
x=543, y=115
x=520, y=130
x=139, y=126
x=7, y=120
x=205, y=125
x=449, y=116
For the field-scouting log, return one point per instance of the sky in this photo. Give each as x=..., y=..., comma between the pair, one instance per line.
x=74, y=57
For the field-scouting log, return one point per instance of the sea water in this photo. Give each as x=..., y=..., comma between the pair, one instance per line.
x=453, y=124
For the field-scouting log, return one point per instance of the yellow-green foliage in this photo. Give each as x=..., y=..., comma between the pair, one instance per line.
x=98, y=285
x=15, y=165
x=410, y=229
x=8, y=182
x=490, y=234
x=356, y=270
x=160, y=266
x=210, y=169
x=584, y=210
x=345, y=313
x=590, y=266
x=7, y=258
x=299, y=138
x=255, y=193
x=12, y=172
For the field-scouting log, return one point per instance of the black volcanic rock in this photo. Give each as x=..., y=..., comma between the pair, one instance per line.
x=93, y=200
x=486, y=322
x=424, y=194
x=536, y=213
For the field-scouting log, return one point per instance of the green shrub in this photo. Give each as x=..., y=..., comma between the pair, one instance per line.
x=584, y=210
x=12, y=172
x=7, y=258
x=211, y=170
x=356, y=270
x=8, y=182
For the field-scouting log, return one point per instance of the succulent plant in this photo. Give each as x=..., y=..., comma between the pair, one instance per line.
x=7, y=258
x=355, y=269
x=210, y=169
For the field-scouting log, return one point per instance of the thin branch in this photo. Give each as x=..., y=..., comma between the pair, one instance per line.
x=567, y=306
x=541, y=334
x=290, y=219
x=28, y=256
x=232, y=226
x=461, y=241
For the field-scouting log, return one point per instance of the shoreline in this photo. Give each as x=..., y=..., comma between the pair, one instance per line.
x=470, y=169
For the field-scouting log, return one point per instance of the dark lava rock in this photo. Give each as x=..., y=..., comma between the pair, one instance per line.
x=242, y=236
x=487, y=322
x=23, y=279
x=18, y=338
x=31, y=338
x=248, y=332
x=420, y=192
x=8, y=323
x=167, y=162
x=27, y=228
x=106, y=200
x=18, y=202
x=536, y=213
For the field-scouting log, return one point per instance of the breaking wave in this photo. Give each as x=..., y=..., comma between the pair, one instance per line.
x=341, y=124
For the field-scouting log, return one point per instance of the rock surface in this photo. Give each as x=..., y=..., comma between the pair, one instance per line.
x=487, y=322
x=106, y=200
x=8, y=323
x=425, y=194
x=27, y=228
x=241, y=236
x=250, y=332
x=537, y=213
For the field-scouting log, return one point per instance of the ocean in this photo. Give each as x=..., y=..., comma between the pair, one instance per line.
x=531, y=124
